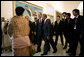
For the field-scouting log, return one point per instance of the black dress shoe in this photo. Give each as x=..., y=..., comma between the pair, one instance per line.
x=43, y=54
x=68, y=51
x=54, y=51
x=38, y=51
x=62, y=44
x=65, y=47
x=49, y=50
x=72, y=54
x=81, y=54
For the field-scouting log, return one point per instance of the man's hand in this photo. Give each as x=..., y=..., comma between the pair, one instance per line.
x=34, y=33
x=54, y=32
x=48, y=38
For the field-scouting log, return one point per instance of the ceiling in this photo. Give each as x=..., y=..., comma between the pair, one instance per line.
x=65, y=5
x=61, y=5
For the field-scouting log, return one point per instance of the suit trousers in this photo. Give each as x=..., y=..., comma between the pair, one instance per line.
x=61, y=36
x=39, y=41
x=52, y=43
x=46, y=45
x=76, y=37
x=81, y=46
x=70, y=39
x=66, y=38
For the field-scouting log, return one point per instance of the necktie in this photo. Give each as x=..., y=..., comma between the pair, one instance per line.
x=75, y=20
x=68, y=20
x=40, y=21
x=75, y=23
x=44, y=21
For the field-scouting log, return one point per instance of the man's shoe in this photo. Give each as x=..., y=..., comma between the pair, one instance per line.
x=62, y=44
x=70, y=54
x=43, y=54
x=81, y=54
x=38, y=51
x=49, y=50
x=68, y=51
x=65, y=47
x=54, y=51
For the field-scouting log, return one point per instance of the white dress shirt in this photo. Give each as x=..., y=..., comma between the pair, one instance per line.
x=58, y=21
x=45, y=21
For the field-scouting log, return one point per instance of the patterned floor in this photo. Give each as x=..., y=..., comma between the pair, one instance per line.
x=60, y=51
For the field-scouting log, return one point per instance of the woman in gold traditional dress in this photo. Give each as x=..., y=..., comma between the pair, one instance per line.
x=19, y=30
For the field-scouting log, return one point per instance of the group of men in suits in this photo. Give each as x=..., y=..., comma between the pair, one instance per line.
x=43, y=30
x=77, y=32
x=72, y=29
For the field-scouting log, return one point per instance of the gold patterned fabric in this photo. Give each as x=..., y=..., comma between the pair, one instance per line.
x=19, y=29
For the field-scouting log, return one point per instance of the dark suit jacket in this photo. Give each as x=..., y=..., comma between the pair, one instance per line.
x=34, y=27
x=46, y=29
x=69, y=25
x=51, y=29
x=58, y=27
x=30, y=24
x=64, y=25
x=79, y=24
x=40, y=28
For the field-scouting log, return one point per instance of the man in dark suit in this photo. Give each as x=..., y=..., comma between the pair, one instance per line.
x=40, y=22
x=69, y=27
x=64, y=30
x=34, y=29
x=78, y=32
x=31, y=32
x=51, y=38
x=52, y=27
x=46, y=30
x=58, y=30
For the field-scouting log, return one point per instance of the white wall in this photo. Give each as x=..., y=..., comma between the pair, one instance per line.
x=80, y=7
x=6, y=9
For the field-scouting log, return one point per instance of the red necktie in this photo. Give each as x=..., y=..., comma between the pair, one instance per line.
x=40, y=21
